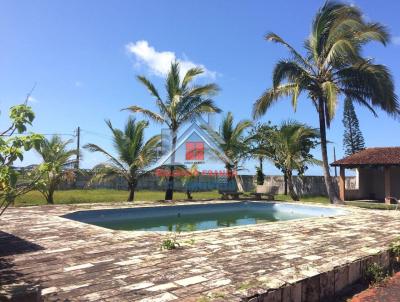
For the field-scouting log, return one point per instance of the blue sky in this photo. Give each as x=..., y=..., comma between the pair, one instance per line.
x=84, y=56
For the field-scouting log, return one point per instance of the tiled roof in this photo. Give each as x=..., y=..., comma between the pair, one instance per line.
x=372, y=156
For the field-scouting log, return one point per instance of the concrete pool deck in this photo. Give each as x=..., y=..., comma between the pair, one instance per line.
x=73, y=261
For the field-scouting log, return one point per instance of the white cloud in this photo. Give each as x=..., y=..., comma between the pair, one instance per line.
x=396, y=40
x=159, y=62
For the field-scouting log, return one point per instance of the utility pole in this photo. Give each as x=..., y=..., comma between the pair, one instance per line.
x=78, y=142
x=334, y=159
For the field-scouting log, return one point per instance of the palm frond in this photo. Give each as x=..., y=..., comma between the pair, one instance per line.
x=373, y=83
x=190, y=75
x=272, y=95
x=104, y=172
x=96, y=148
x=290, y=71
x=150, y=86
x=330, y=91
x=203, y=90
x=277, y=39
x=148, y=113
x=173, y=83
x=191, y=107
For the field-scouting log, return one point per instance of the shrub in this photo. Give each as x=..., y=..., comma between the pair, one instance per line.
x=374, y=274
x=395, y=247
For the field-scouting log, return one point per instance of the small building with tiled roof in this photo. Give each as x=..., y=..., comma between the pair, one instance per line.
x=378, y=172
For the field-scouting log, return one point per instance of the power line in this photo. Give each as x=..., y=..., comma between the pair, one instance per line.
x=96, y=133
x=48, y=134
x=72, y=134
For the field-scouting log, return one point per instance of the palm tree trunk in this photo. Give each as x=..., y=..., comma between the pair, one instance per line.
x=261, y=163
x=327, y=176
x=169, y=193
x=230, y=177
x=292, y=192
x=132, y=187
x=285, y=182
x=131, y=196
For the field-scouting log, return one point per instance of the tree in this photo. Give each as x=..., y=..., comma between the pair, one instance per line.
x=135, y=155
x=13, y=183
x=235, y=144
x=260, y=146
x=291, y=145
x=184, y=101
x=353, y=140
x=58, y=164
x=333, y=66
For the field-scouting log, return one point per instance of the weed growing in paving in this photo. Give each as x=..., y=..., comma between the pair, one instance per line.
x=170, y=242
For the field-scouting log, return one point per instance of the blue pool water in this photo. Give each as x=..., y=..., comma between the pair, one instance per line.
x=199, y=217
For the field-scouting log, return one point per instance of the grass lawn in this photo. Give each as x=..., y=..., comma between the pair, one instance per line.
x=107, y=195
x=103, y=195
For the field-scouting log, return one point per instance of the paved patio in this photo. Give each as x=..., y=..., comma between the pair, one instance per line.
x=81, y=262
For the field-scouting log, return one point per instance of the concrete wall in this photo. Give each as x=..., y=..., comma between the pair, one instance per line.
x=307, y=185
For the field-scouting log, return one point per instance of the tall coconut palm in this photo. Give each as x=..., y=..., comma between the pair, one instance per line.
x=235, y=143
x=291, y=145
x=134, y=154
x=57, y=165
x=184, y=101
x=332, y=65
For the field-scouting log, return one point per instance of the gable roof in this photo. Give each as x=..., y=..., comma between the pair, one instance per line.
x=382, y=156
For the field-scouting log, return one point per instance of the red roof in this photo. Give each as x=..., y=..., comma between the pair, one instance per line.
x=382, y=156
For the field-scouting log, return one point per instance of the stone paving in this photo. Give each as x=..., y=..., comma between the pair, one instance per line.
x=73, y=261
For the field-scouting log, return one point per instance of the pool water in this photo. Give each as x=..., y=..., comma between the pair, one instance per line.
x=187, y=218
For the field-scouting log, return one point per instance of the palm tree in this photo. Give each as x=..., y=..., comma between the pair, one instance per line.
x=260, y=146
x=332, y=66
x=57, y=165
x=291, y=144
x=184, y=101
x=134, y=154
x=234, y=143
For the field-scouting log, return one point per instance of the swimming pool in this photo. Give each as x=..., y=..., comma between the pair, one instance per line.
x=195, y=217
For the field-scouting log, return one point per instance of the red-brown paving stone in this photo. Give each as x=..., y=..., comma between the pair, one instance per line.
x=388, y=292
x=82, y=262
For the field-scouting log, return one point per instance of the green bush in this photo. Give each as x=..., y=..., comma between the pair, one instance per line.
x=374, y=274
x=395, y=247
